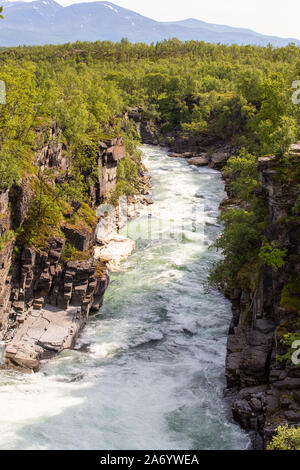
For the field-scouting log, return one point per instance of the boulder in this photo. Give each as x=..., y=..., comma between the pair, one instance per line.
x=219, y=160
x=176, y=155
x=116, y=250
x=198, y=161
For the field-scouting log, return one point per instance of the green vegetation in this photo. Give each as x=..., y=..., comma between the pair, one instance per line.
x=245, y=218
x=287, y=438
x=272, y=256
x=243, y=174
x=9, y=170
x=290, y=297
x=240, y=243
x=42, y=222
x=128, y=182
x=296, y=207
x=288, y=340
x=70, y=253
x=236, y=93
x=83, y=217
x=5, y=238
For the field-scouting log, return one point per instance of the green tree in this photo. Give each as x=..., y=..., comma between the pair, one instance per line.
x=272, y=255
x=239, y=243
x=287, y=438
x=243, y=174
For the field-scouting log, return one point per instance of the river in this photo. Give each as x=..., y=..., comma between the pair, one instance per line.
x=148, y=371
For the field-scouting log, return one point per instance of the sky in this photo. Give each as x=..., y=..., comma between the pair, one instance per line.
x=272, y=17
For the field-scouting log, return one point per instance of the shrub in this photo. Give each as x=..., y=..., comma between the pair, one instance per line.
x=9, y=170
x=290, y=296
x=239, y=243
x=243, y=174
x=287, y=438
x=289, y=340
x=128, y=181
x=272, y=255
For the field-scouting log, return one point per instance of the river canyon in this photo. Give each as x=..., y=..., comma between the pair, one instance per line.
x=148, y=371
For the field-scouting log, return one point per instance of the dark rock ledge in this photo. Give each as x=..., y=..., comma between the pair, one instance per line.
x=266, y=389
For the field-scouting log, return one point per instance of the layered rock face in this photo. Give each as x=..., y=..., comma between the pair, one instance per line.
x=216, y=153
x=44, y=300
x=111, y=151
x=48, y=300
x=51, y=155
x=5, y=260
x=267, y=387
x=52, y=306
x=146, y=129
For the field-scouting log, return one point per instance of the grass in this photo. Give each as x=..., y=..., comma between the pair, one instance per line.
x=70, y=253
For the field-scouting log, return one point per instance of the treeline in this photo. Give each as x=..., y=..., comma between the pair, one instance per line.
x=170, y=49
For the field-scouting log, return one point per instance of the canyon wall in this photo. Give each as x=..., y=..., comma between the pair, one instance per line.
x=45, y=300
x=265, y=382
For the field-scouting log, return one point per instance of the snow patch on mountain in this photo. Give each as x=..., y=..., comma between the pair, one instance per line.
x=111, y=7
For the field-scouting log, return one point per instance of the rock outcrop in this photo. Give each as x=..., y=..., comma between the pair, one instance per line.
x=43, y=297
x=200, y=149
x=113, y=248
x=146, y=128
x=266, y=382
x=52, y=155
x=214, y=151
x=110, y=152
x=198, y=161
x=56, y=305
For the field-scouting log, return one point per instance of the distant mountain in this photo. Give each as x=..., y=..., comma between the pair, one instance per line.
x=47, y=22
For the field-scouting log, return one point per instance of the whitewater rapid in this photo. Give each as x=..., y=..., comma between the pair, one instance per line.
x=148, y=371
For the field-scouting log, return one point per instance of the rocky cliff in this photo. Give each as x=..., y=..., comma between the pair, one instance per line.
x=147, y=129
x=259, y=369
x=45, y=294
